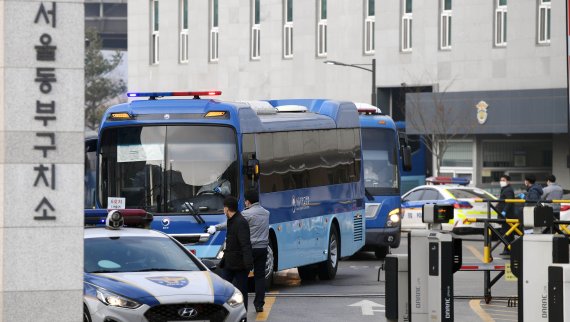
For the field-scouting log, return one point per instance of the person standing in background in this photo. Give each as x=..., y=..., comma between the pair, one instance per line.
x=553, y=191
x=506, y=210
x=533, y=190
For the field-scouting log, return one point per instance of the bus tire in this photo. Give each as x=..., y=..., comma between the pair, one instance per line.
x=381, y=252
x=307, y=273
x=327, y=269
x=86, y=314
x=269, y=266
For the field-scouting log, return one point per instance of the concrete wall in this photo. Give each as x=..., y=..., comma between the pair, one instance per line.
x=41, y=246
x=473, y=63
x=305, y=75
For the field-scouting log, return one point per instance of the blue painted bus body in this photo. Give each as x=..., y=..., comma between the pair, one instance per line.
x=387, y=200
x=300, y=229
x=378, y=234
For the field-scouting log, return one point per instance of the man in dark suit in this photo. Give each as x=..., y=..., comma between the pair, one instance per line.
x=506, y=210
x=238, y=258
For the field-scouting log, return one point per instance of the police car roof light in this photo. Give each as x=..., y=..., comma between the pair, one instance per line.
x=114, y=220
x=448, y=180
x=154, y=95
x=131, y=218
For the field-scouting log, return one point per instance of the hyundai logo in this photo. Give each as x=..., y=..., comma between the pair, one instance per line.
x=188, y=312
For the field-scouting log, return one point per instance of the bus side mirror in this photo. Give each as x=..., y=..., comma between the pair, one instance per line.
x=252, y=169
x=407, y=158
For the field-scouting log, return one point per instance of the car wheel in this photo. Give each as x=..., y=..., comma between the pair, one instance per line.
x=86, y=315
x=327, y=269
x=269, y=267
x=381, y=252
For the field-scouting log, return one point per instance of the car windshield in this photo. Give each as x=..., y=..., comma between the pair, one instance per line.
x=135, y=254
x=380, y=156
x=469, y=194
x=169, y=169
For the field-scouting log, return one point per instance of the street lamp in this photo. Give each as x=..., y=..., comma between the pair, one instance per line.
x=359, y=66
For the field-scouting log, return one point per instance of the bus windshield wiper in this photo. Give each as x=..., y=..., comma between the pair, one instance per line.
x=195, y=212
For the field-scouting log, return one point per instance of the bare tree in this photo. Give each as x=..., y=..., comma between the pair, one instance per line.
x=440, y=126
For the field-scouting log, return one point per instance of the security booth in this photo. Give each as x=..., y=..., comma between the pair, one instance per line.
x=531, y=256
x=397, y=308
x=434, y=255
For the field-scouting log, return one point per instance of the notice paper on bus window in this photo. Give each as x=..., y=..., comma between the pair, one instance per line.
x=137, y=152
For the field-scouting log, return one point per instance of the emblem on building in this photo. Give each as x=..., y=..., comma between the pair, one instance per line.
x=482, y=112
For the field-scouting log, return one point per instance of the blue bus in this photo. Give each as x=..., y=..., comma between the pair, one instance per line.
x=381, y=155
x=416, y=176
x=178, y=158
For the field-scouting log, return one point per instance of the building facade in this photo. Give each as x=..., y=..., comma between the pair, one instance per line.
x=505, y=83
x=109, y=18
x=500, y=88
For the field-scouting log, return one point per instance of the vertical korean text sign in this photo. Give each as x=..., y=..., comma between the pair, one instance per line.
x=41, y=159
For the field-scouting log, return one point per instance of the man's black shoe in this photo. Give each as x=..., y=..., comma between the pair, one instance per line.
x=259, y=309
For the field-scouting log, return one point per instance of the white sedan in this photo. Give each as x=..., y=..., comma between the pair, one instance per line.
x=464, y=200
x=134, y=274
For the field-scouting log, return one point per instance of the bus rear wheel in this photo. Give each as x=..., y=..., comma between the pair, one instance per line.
x=327, y=269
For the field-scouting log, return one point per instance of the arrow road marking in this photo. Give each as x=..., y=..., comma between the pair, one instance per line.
x=367, y=307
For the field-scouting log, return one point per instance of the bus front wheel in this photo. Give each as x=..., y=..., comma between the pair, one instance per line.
x=269, y=266
x=327, y=269
x=381, y=252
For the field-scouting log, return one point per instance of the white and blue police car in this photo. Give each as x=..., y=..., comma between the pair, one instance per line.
x=134, y=274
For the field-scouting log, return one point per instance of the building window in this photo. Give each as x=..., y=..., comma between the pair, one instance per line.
x=458, y=154
x=322, y=28
x=445, y=25
x=407, y=18
x=183, y=40
x=288, y=29
x=516, y=158
x=369, y=24
x=93, y=10
x=544, y=22
x=214, y=31
x=154, y=48
x=501, y=23
x=255, y=30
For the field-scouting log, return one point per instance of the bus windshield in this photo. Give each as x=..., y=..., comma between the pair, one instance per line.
x=169, y=169
x=380, y=156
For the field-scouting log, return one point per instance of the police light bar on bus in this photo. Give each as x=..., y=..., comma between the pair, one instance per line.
x=195, y=94
x=448, y=180
x=368, y=109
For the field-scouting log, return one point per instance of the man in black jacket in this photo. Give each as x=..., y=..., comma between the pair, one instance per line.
x=506, y=210
x=238, y=258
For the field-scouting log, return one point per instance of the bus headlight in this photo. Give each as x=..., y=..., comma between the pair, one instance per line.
x=393, y=219
x=236, y=299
